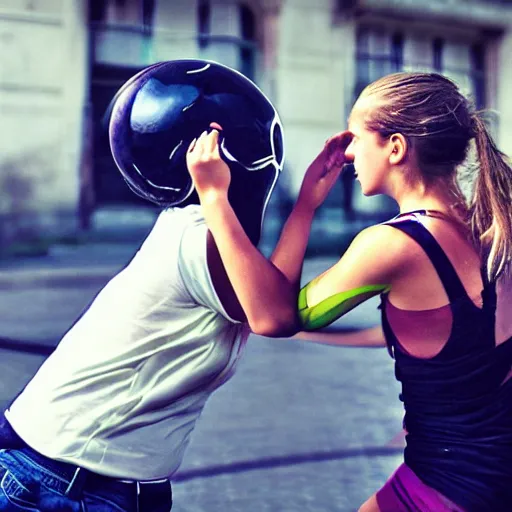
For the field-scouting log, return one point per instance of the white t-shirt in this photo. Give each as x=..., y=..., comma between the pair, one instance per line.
x=122, y=392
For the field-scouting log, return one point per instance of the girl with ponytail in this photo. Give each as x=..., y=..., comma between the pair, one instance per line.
x=446, y=318
x=443, y=268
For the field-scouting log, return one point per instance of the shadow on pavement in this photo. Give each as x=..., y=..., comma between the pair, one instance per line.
x=29, y=347
x=290, y=460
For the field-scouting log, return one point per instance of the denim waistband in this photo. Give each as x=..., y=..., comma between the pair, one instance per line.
x=72, y=480
x=75, y=479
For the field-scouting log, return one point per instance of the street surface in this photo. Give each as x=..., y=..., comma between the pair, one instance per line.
x=300, y=427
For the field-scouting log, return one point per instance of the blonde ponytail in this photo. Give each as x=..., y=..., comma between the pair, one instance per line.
x=491, y=206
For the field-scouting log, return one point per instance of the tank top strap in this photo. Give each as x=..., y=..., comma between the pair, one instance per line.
x=412, y=226
x=490, y=302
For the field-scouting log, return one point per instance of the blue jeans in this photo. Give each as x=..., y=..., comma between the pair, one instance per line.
x=29, y=481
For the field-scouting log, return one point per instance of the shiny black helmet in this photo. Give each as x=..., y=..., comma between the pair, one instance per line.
x=158, y=112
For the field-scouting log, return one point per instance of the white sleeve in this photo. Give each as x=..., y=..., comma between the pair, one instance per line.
x=193, y=267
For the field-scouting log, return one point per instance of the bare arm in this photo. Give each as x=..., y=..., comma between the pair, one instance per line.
x=221, y=282
x=288, y=256
x=371, y=337
x=321, y=175
x=265, y=294
x=266, y=290
x=376, y=256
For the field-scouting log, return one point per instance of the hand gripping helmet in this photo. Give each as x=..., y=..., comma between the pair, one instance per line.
x=159, y=111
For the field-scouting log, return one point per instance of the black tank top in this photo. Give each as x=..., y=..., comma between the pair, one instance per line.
x=458, y=409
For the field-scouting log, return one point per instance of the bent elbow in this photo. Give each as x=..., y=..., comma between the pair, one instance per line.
x=277, y=326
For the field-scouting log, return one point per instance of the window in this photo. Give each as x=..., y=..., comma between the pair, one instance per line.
x=228, y=36
x=397, y=51
x=437, y=48
x=148, y=11
x=97, y=11
x=465, y=64
x=247, y=46
x=380, y=52
x=203, y=22
x=123, y=12
x=122, y=31
x=478, y=71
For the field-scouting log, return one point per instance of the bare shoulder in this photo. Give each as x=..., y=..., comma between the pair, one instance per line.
x=382, y=234
x=380, y=253
x=383, y=242
x=376, y=256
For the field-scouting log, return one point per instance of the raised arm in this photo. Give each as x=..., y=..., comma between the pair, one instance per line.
x=267, y=290
x=320, y=177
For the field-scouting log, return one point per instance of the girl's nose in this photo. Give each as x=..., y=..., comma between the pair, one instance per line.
x=349, y=154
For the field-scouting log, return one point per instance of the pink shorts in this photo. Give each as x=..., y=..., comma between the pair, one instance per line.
x=405, y=492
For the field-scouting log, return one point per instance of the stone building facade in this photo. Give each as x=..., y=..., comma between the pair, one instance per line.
x=61, y=61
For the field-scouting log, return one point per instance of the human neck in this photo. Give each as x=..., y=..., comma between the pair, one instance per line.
x=441, y=197
x=424, y=203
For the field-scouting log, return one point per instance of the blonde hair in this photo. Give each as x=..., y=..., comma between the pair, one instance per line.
x=439, y=123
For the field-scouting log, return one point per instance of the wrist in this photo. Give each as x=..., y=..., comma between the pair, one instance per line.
x=304, y=210
x=213, y=197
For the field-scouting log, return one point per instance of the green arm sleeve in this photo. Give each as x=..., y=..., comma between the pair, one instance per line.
x=335, y=306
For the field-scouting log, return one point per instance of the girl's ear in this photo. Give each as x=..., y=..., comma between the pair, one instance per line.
x=399, y=148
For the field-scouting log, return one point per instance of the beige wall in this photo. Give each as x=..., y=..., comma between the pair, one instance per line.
x=311, y=80
x=42, y=89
